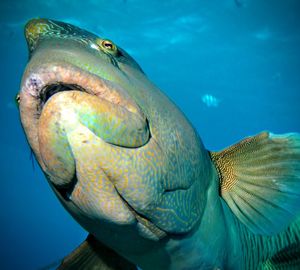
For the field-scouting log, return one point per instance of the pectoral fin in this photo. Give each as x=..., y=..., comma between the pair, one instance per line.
x=93, y=255
x=260, y=180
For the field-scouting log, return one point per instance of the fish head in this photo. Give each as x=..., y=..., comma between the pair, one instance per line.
x=116, y=151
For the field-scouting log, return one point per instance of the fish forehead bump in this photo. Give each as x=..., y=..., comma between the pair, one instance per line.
x=37, y=29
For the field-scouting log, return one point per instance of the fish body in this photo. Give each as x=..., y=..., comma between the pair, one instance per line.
x=131, y=169
x=210, y=101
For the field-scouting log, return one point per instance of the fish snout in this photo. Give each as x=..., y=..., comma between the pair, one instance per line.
x=57, y=99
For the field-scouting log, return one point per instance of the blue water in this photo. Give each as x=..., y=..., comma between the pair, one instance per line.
x=245, y=54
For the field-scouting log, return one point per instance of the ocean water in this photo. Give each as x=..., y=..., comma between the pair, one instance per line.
x=232, y=66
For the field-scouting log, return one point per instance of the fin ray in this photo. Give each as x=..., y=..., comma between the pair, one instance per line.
x=260, y=180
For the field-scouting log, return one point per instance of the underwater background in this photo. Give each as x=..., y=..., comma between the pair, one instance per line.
x=232, y=66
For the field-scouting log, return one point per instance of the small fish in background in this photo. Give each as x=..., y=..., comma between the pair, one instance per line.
x=210, y=101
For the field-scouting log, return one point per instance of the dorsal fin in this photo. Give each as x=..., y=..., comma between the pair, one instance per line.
x=260, y=180
x=93, y=255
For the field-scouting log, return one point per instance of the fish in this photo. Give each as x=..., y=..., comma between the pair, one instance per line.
x=132, y=170
x=210, y=100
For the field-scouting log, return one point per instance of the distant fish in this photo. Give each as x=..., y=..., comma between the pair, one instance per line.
x=210, y=101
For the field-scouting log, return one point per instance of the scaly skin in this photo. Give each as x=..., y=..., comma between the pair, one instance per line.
x=123, y=159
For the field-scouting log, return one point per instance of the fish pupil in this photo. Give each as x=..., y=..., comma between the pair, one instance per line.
x=108, y=45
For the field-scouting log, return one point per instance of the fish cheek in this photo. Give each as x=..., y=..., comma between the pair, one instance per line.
x=94, y=192
x=55, y=149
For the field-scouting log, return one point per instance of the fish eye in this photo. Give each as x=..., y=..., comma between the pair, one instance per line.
x=108, y=46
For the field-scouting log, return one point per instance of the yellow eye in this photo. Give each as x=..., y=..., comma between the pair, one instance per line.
x=107, y=45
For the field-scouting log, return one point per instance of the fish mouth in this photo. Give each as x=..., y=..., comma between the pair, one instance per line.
x=46, y=80
x=53, y=96
x=51, y=89
x=69, y=115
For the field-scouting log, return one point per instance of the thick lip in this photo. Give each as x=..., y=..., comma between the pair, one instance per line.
x=39, y=81
x=36, y=81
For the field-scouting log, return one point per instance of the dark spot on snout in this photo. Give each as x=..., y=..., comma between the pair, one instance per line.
x=33, y=82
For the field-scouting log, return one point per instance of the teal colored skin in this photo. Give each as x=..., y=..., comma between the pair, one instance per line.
x=161, y=208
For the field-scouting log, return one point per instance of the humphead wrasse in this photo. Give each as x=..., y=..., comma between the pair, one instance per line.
x=131, y=169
